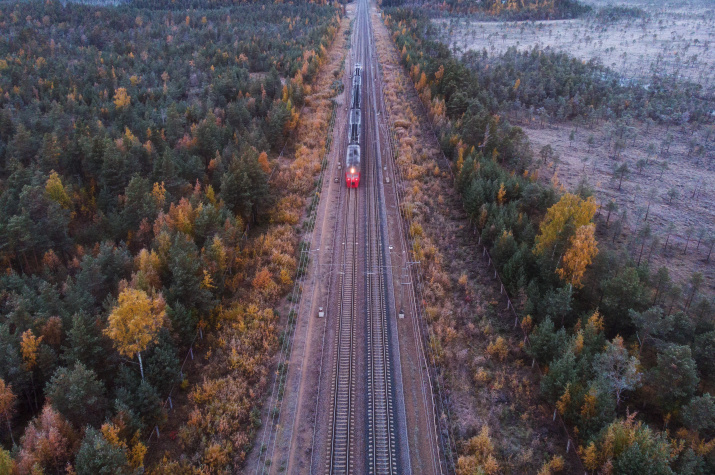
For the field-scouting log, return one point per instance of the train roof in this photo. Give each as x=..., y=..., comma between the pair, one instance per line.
x=353, y=156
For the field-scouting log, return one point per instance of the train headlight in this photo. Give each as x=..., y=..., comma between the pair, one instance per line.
x=352, y=170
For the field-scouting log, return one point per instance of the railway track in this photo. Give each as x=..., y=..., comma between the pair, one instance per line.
x=363, y=425
x=381, y=448
x=439, y=465
x=342, y=436
x=342, y=433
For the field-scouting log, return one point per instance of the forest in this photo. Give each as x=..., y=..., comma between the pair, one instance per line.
x=559, y=86
x=144, y=218
x=627, y=353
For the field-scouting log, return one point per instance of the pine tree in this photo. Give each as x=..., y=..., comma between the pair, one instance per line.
x=699, y=415
x=174, y=125
x=98, y=456
x=674, y=378
x=115, y=172
x=22, y=147
x=165, y=171
x=138, y=204
x=704, y=354
x=207, y=135
x=616, y=371
x=50, y=153
x=84, y=343
x=186, y=275
x=78, y=395
x=562, y=372
x=162, y=364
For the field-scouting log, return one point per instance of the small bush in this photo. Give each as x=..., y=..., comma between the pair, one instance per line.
x=498, y=349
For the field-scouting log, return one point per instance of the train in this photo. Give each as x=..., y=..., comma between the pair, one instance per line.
x=352, y=157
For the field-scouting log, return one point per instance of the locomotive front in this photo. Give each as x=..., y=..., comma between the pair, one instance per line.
x=352, y=171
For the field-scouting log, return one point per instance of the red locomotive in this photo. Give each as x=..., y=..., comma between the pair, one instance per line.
x=352, y=164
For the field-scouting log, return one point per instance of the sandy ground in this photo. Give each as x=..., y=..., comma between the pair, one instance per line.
x=676, y=37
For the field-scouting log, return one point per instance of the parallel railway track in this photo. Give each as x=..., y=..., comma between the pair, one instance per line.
x=363, y=427
x=342, y=437
x=381, y=421
x=381, y=448
x=342, y=433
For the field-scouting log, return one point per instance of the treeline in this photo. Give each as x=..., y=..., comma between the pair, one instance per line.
x=510, y=10
x=553, y=85
x=134, y=157
x=615, y=337
x=614, y=13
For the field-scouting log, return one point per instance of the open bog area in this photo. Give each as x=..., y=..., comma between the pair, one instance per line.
x=670, y=193
x=655, y=182
x=672, y=38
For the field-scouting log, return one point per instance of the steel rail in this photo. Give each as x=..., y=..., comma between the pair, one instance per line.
x=342, y=428
x=382, y=444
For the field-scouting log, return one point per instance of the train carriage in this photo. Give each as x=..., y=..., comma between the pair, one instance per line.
x=356, y=97
x=355, y=126
x=357, y=82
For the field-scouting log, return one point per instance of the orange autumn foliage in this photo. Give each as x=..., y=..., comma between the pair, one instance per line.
x=48, y=444
x=29, y=345
x=570, y=210
x=583, y=247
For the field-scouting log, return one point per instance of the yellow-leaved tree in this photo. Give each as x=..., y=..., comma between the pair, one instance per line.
x=121, y=98
x=501, y=195
x=56, y=191
x=583, y=247
x=29, y=345
x=135, y=321
x=562, y=220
